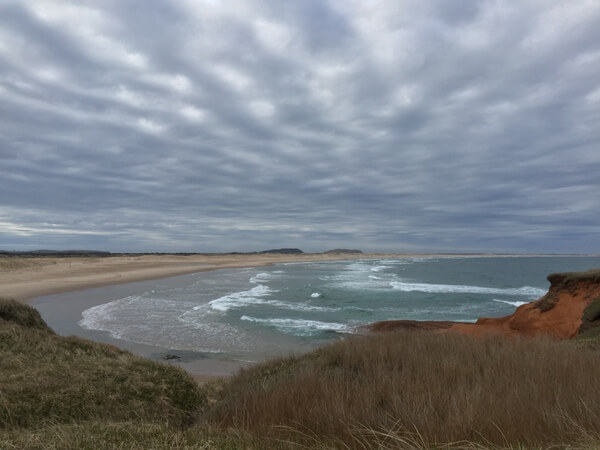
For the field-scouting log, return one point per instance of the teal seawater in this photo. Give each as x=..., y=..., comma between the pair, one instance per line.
x=275, y=309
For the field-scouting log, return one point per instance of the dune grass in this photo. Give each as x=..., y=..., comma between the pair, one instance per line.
x=14, y=313
x=49, y=379
x=572, y=278
x=397, y=390
x=589, y=330
x=423, y=388
x=15, y=263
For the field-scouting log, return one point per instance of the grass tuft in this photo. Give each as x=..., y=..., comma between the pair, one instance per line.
x=15, y=263
x=591, y=313
x=570, y=278
x=130, y=435
x=17, y=313
x=547, y=302
x=589, y=330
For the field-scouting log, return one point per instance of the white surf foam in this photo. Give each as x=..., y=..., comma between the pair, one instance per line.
x=238, y=299
x=528, y=291
x=96, y=317
x=262, y=277
x=508, y=302
x=315, y=295
x=303, y=307
x=135, y=318
x=379, y=268
x=298, y=326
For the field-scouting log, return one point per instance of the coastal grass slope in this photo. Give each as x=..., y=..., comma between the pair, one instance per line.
x=399, y=390
x=50, y=380
x=421, y=387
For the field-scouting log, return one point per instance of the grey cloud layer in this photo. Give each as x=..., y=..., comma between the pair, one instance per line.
x=213, y=125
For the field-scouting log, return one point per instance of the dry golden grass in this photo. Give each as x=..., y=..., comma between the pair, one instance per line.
x=12, y=264
x=374, y=392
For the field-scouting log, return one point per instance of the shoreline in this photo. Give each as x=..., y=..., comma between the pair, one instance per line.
x=27, y=278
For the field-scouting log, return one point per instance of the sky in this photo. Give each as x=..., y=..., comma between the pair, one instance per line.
x=217, y=126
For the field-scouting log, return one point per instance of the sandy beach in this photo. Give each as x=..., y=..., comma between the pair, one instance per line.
x=26, y=278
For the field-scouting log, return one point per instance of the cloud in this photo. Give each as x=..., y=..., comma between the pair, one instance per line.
x=214, y=126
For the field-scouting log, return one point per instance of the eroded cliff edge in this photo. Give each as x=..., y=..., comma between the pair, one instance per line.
x=571, y=307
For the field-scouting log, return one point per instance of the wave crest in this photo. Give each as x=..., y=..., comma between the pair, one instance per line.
x=528, y=291
x=299, y=326
x=238, y=299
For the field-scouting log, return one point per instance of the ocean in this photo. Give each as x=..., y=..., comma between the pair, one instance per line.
x=252, y=314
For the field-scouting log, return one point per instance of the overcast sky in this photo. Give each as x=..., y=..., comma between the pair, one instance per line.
x=399, y=125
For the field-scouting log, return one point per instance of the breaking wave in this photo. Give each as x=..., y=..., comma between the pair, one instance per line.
x=299, y=326
x=252, y=296
x=527, y=291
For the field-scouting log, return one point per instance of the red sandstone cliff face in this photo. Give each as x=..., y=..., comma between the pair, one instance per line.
x=559, y=313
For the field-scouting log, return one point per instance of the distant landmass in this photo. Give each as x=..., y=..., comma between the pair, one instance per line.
x=55, y=253
x=97, y=253
x=284, y=251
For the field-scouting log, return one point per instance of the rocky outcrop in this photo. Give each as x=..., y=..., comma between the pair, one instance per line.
x=571, y=306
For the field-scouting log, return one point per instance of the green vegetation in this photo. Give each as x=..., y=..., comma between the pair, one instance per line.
x=49, y=380
x=11, y=264
x=14, y=313
x=589, y=330
x=547, y=302
x=565, y=280
x=591, y=313
x=395, y=390
x=570, y=278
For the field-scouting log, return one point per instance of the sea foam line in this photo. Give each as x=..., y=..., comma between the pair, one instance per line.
x=239, y=299
x=264, y=276
x=298, y=324
x=462, y=289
